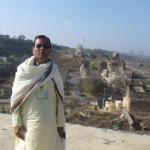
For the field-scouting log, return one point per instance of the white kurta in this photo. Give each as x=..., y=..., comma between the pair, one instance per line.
x=38, y=115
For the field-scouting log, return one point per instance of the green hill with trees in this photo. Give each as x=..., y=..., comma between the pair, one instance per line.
x=20, y=46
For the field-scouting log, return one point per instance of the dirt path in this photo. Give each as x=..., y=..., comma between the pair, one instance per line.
x=88, y=138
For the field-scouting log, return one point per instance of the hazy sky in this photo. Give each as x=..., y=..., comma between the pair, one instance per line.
x=118, y=25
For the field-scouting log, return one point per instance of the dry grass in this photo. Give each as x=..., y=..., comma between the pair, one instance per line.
x=140, y=115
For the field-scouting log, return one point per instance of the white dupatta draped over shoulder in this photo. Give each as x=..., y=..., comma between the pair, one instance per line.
x=29, y=77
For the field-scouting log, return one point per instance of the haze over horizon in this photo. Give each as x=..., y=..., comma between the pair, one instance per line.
x=121, y=26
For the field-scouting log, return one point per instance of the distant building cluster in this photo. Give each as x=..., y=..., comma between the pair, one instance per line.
x=114, y=65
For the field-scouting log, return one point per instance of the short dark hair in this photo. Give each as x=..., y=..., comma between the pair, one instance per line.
x=42, y=37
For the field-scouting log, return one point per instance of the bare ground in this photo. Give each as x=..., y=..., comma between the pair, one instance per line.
x=83, y=138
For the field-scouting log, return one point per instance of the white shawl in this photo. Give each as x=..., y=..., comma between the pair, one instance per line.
x=28, y=74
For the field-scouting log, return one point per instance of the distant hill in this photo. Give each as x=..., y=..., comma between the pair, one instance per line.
x=20, y=46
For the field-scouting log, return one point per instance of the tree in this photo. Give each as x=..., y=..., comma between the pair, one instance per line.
x=94, y=64
x=118, y=84
x=92, y=86
x=21, y=37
